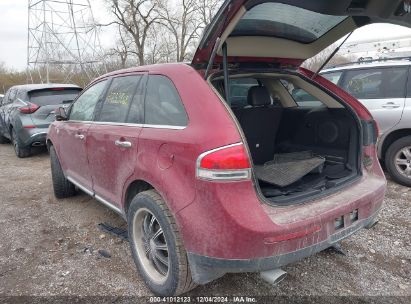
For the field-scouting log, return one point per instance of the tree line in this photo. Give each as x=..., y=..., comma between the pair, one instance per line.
x=158, y=31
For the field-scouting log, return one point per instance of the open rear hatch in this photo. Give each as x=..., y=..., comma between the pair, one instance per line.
x=304, y=140
x=287, y=32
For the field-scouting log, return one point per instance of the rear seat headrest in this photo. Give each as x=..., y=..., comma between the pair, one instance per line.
x=258, y=96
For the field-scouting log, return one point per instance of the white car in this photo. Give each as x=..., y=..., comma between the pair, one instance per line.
x=384, y=88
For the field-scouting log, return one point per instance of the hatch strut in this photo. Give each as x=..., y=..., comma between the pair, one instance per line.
x=332, y=55
x=225, y=68
x=212, y=57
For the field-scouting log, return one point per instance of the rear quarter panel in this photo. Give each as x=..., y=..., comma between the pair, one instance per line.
x=167, y=157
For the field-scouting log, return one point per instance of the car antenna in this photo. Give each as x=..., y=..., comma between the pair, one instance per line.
x=331, y=56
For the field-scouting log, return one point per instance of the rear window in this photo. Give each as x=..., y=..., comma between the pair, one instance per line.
x=285, y=21
x=53, y=97
x=163, y=105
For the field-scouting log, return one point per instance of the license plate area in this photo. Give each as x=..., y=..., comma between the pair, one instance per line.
x=345, y=220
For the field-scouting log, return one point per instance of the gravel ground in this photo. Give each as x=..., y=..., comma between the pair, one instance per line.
x=50, y=247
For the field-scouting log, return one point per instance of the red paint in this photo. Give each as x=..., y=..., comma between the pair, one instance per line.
x=226, y=220
x=291, y=236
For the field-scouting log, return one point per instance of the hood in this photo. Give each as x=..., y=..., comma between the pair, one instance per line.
x=288, y=32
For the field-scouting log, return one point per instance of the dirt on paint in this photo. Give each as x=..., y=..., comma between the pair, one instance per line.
x=54, y=247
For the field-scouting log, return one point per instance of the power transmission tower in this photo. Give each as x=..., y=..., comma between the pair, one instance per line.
x=63, y=36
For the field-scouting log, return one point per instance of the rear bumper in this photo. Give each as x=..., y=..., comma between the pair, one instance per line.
x=33, y=137
x=206, y=269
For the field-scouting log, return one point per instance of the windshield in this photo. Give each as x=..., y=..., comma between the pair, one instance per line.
x=53, y=96
x=285, y=21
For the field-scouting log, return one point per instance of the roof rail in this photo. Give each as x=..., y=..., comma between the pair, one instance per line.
x=366, y=60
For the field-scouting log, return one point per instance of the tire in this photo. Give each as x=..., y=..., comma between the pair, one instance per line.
x=398, y=161
x=21, y=151
x=3, y=140
x=163, y=280
x=63, y=188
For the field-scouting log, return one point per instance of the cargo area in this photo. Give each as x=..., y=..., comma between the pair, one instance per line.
x=303, y=142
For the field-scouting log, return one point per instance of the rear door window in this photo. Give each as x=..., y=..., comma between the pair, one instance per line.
x=376, y=83
x=83, y=108
x=53, y=96
x=119, y=99
x=163, y=105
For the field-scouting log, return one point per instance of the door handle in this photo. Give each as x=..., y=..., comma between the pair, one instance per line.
x=79, y=136
x=390, y=105
x=123, y=144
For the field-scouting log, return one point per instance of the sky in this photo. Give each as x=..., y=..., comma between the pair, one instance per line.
x=14, y=19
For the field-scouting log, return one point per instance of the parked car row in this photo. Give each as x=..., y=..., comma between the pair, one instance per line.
x=26, y=112
x=239, y=162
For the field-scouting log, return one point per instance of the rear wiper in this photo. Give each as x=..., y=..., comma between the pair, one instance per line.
x=331, y=56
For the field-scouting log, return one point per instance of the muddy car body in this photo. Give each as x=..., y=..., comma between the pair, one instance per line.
x=171, y=150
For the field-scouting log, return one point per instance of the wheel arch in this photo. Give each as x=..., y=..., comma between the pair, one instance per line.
x=391, y=138
x=49, y=143
x=133, y=189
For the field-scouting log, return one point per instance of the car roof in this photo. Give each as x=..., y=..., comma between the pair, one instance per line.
x=40, y=86
x=163, y=68
x=372, y=64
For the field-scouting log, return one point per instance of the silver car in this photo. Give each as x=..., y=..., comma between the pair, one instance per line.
x=26, y=111
x=384, y=88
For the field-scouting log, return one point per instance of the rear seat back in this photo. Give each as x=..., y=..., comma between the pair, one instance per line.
x=260, y=122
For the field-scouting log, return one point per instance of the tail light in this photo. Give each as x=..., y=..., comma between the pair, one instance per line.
x=30, y=108
x=370, y=137
x=229, y=163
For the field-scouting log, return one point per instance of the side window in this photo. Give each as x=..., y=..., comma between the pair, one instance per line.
x=376, y=83
x=301, y=97
x=119, y=99
x=239, y=91
x=334, y=77
x=83, y=108
x=163, y=105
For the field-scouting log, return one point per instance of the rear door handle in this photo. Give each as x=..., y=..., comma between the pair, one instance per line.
x=390, y=105
x=79, y=136
x=123, y=144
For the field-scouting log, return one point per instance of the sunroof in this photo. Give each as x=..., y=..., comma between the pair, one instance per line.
x=285, y=21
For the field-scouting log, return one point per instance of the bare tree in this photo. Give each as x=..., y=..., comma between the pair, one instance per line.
x=157, y=31
x=123, y=47
x=136, y=17
x=317, y=61
x=207, y=10
x=183, y=22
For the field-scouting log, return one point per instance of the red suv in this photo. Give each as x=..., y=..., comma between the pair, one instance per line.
x=239, y=162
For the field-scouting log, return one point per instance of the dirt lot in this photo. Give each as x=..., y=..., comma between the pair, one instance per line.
x=50, y=247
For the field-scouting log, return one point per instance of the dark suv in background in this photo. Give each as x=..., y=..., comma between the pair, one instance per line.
x=26, y=112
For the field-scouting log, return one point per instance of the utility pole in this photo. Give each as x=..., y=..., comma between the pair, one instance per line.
x=63, y=36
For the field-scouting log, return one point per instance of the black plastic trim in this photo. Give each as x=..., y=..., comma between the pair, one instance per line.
x=206, y=269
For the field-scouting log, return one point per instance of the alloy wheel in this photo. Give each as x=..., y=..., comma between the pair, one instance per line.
x=151, y=245
x=403, y=161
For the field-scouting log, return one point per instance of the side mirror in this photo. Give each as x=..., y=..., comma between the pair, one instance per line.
x=61, y=114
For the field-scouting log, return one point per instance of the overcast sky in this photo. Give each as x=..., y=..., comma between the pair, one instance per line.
x=13, y=31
